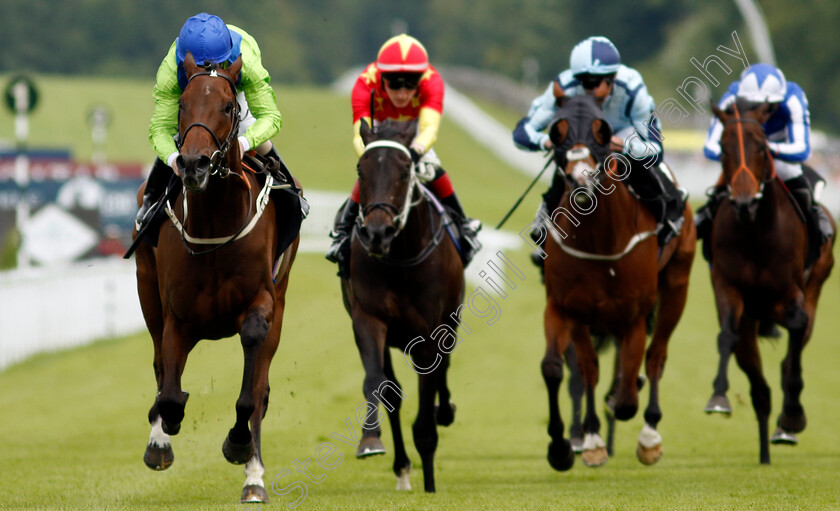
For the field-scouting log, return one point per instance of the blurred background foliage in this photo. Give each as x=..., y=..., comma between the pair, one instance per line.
x=315, y=41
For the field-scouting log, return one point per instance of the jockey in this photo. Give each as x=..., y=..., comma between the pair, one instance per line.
x=403, y=86
x=788, y=131
x=596, y=69
x=211, y=42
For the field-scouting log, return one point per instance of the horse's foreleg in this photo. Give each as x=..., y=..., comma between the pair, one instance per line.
x=631, y=352
x=749, y=360
x=370, y=334
x=594, y=449
x=391, y=397
x=424, y=427
x=730, y=309
x=576, y=396
x=557, y=337
x=792, y=419
x=239, y=446
x=171, y=400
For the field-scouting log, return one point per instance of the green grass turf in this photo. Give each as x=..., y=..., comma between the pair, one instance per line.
x=74, y=423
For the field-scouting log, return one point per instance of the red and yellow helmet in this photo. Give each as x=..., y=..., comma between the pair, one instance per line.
x=402, y=54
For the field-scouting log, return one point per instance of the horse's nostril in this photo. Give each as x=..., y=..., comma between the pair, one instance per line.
x=389, y=232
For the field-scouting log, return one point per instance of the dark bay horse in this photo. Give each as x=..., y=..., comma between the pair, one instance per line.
x=604, y=273
x=238, y=285
x=759, y=246
x=405, y=285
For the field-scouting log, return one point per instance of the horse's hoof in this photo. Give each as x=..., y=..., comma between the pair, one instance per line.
x=719, y=404
x=238, y=453
x=577, y=445
x=562, y=457
x=403, y=481
x=370, y=446
x=158, y=458
x=254, y=494
x=595, y=457
x=648, y=455
x=444, y=417
x=782, y=437
x=793, y=423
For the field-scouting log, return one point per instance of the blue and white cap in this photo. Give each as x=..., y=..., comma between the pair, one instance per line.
x=596, y=55
x=762, y=83
x=206, y=37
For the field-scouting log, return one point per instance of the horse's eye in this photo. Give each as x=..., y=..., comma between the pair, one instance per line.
x=229, y=107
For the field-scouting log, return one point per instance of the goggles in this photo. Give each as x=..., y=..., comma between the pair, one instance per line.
x=402, y=80
x=589, y=82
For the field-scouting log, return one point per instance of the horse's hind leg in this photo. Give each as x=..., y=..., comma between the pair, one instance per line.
x=560, y=453
x=391, y=397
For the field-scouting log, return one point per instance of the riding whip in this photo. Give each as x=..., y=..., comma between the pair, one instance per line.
x=516, y=205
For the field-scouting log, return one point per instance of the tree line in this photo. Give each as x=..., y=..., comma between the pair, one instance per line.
x=314, y=41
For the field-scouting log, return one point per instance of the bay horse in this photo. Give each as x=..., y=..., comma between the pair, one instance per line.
x=759, y=247
x=236, y=286
x=605, y=273
x=405, y=284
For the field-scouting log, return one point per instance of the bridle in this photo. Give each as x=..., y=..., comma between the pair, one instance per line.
x=399, y=216
x=220, y=155
x=738, y=121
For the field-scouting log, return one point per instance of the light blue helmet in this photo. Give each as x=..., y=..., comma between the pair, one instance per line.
x=762, y=83
x=207, y=38
x=596, y=55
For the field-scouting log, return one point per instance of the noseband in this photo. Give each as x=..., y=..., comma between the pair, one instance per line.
x=223, y=147
x=743, y=168
x=398, y=215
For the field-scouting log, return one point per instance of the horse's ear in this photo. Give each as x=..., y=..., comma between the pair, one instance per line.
x=720, y=114
x=601, y=131
x=764, y=111
x=189, y=65
x=558, y=131
x=364, y=131
x=235, y=68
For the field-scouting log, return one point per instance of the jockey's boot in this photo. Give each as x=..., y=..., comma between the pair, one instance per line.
x=819, y=226
x=339, y=251
x=279, y=171
x=705, y=216
x=662, y=197
x=469, y=228
x=155, y=185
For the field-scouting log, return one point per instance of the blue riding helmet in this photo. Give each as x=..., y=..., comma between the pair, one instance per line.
x=762, y=83
x=207, y=37
x=596, y=55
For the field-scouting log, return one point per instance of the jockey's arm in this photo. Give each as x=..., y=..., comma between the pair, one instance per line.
x=255, y=83
x=639, y=140
x=797, y=147
x=528, y=134
x=711, y=148
x=164, y=123
x=428, y=124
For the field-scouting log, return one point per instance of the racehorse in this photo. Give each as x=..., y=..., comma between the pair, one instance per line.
x=405, y=284
x=238, y=285
x=604, y=273
x=758, y=248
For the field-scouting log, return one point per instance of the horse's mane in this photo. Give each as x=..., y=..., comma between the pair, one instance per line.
x=390, y=129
